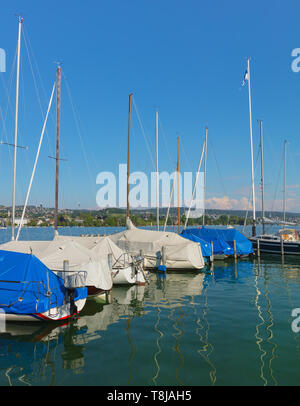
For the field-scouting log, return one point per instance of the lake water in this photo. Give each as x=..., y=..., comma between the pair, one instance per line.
x=230, y=325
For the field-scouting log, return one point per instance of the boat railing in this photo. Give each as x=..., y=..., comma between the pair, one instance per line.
x=73, y=279
x=127, y=259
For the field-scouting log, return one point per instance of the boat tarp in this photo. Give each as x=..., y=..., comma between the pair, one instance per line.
x=179, y=252
x=223, y=240
x=205, y=246
x=101, y=246
x=53, y=254
x=25, y=282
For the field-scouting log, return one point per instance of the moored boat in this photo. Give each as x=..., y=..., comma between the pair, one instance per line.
x=66, y=256
x=29, y=291
x=285, y=242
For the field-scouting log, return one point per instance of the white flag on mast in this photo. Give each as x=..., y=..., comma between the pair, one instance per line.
x=245, y=78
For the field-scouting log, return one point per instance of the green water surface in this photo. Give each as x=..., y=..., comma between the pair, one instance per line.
x=230, y=325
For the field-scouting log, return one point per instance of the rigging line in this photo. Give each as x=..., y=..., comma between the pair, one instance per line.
x=165, y=140
x=10, y=80
x=143, y=132
x=35, y=163
x=250, y=191
x=23, y=103
x=35, y=86
x=185, y=156
x=8, y=104
x=92, y=153
x=291, y=159
x=278, y=178
x=78, y=130
x=217, y=165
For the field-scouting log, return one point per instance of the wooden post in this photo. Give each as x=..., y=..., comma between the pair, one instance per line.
x=234, y=246
x=258, y=248
x=110, y=264
x=163, y=255
x=65, y=273
x=282, y=247
x=212, y=251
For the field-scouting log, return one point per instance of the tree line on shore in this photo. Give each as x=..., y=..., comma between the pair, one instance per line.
x=119, y=220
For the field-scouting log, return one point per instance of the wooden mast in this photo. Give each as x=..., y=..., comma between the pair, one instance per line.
x=178, y=185
x=128, y=155
x=58, y=78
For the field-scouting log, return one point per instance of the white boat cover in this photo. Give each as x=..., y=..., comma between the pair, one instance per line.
x=125, y=271
x=101, y=247
x=54, y=253
x=180, y=253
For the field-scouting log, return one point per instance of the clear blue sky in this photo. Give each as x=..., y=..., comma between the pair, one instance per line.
x=187, y=58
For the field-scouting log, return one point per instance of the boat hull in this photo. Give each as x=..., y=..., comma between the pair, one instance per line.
x=274, y=247
x=152, y=263
x=54, y=314
x=128, y=276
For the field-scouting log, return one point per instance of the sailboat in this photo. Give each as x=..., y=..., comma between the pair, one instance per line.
x=28, y=289
x=64, y=258
x=159, y=248
x=286, y=240
x=126, y=269
x=216, y=244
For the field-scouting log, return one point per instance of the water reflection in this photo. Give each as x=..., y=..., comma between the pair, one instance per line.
x=28, y=351
x=172, y=327
x=179, y=294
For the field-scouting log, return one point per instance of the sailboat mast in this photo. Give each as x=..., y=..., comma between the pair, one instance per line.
x=16, y=133
x=262, y=177
x=178, y=185
x=58, y=78
x=157, y=176
x=251, y=144
x=284, y=180
x=128, y=156
x=204, y=189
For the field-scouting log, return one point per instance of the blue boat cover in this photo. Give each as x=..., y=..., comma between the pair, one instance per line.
x=223, y=240
x=205, y=246
x=24, y=283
